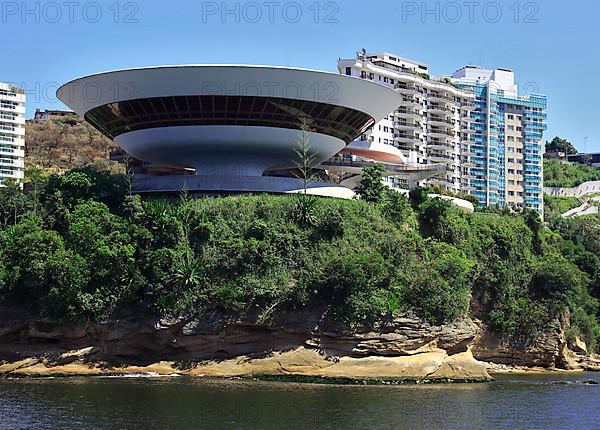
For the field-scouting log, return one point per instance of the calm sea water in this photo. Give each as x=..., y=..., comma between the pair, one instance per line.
x=511, y=402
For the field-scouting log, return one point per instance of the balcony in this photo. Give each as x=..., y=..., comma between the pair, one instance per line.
x=444, y=98
x=408, y=113
x=440, y=145
x=407, y=125
x=13, y=109
x=410, y=101
x=440, y=132
x=443, y=182
x=439, y=109
x=406, y=89
x=406, y=137
x=441, y=121
x=465, y=127
x=537, y=115
x=533, y=125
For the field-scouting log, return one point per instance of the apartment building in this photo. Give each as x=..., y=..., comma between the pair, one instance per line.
x=12, y=133
x=429, y=126
x=506, y=144
x=475, y=123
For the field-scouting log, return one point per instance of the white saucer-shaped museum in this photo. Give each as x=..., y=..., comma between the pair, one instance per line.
x=227, y=121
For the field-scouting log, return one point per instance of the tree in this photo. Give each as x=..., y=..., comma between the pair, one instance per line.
x=371, y=187
x=417, y=196
x=14, y=205
x=306, y=204
x=558, y=144
x=535, y=224
x=397, y=208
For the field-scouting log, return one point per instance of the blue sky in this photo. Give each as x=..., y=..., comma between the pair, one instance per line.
x=553, y=46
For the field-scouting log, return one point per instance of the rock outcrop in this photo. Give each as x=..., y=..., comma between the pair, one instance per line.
x=303, y=344
x=294, y=344
x=547, y=351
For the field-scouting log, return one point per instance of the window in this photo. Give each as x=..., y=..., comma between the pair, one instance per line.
x=131, y=115
x=511, y=116
x=348, y=71
x=511, y=127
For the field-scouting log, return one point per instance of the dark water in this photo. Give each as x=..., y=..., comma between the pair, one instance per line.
x=511, y=402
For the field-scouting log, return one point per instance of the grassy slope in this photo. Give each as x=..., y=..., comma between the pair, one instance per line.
x=561, y=174
x=556, y=206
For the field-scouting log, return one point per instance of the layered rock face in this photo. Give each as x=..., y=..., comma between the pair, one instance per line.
x=290, y=344
x=550, y=350
x=302, y=343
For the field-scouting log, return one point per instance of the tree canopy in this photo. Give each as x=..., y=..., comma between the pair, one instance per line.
x=558, y=144
x=81, y=248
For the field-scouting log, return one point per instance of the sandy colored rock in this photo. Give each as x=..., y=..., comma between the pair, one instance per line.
x=303, y=343
x=429, y=366
x=579, y=347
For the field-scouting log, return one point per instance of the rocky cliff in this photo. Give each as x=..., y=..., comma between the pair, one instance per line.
x=299, y=344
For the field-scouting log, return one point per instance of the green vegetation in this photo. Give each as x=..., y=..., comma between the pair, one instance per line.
x=563, y=174
x=81, y=248
x=371, y=187
x=556, y=206
x=559, y=144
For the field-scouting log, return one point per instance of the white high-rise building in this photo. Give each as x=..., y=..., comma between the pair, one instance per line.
x=431, y=126
x=12, y=133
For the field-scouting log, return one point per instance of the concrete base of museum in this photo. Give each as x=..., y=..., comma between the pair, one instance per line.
x=233, y=185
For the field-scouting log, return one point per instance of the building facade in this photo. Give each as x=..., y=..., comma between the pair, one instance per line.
x=52, y=114
x=474, y=122
x=428, y=125
x=231, y=128
x=506, y=144
x=12, y=133
x=591, y=158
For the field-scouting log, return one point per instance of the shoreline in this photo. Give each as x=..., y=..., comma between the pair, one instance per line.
x=298, y=366
x=150, y=372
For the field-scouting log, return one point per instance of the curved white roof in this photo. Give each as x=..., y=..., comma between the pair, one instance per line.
x=88, y=92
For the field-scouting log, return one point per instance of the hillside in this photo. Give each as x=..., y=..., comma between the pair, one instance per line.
x=66, y=144
x=69, y=255
x=564, y=174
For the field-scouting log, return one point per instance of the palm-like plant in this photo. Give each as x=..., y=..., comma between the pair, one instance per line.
x=306, y=204
x=188, y=271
